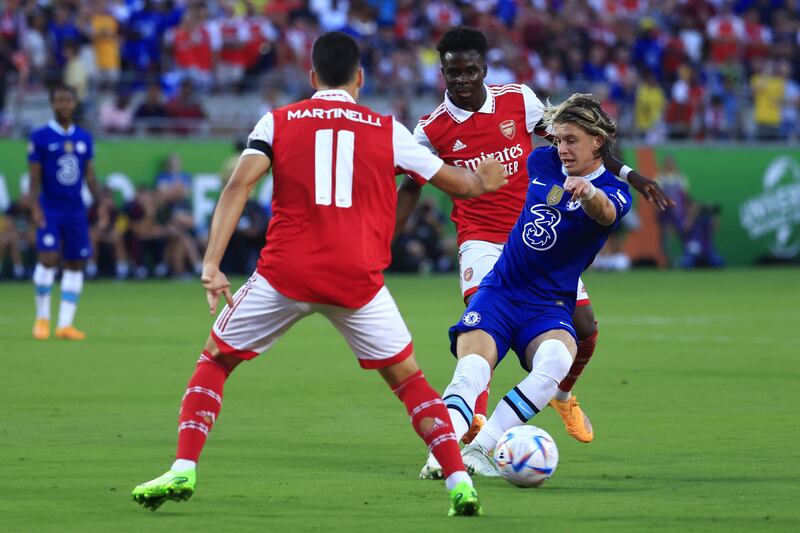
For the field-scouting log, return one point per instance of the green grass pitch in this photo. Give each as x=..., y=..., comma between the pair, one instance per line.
x=693, y=393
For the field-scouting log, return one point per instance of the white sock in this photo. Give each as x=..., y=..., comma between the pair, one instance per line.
x=43, y=278
x=550, y=365
x=455, y=478
x=71, y=286
x=182, y=464
x=562, y=396
x=470, y=378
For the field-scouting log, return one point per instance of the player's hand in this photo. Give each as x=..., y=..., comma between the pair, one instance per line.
x=38, y=215
x=216, y=284
x=651, y=191
x=492, y=173
x=581, y=188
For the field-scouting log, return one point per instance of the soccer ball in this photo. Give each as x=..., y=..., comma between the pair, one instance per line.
x=526, y=456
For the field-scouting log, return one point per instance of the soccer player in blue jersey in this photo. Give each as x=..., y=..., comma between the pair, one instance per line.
x=526, y=302
x=59, y=160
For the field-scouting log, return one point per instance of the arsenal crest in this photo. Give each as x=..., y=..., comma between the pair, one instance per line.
x=508, y=128
x=555, y=194
x=468, y=274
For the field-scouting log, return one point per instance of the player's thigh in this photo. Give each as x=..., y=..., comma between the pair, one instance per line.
x=259, y=316
x=76, y=245
x=584, y=321
x=478, y=342
x=376, y=332
x=561, y=335
x=475, y=260
x=48, y=238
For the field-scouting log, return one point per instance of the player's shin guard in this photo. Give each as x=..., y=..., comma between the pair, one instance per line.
x=43, y=278
x=550, y=365
x=470, y=378
x=200, y=406
x=431, y=422
x=585, y=352
x=71, y=288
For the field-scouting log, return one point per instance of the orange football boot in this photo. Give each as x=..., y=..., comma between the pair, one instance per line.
x=70, y=333
x=41, y=329
x=575, y=420
x=477, y=423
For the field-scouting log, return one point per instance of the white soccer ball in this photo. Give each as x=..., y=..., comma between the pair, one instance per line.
x=526, y=456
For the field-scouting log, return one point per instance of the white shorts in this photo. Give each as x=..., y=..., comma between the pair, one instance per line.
x=476, y=259
x=260, y=315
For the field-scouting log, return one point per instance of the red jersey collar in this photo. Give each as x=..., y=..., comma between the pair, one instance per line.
x=460, y=115
x=334, y=94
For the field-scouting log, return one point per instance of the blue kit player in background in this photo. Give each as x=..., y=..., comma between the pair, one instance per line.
x=59, y=160
x=526, y=302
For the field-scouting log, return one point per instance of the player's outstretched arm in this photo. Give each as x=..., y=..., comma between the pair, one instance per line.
x=463, y=183
x=648, y=188
x=407, y=197
x=593, y=200
x=234, y=196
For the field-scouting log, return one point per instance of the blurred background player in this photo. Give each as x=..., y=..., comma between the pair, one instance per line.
x=59, y=161
x=526, y=302
x=327, y=247
x=476, y=120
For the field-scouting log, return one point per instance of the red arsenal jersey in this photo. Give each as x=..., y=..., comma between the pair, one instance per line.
x=334, y=197
x=501, y=128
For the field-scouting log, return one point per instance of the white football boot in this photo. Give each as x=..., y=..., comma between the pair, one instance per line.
x=478, y=462
x=432, y=469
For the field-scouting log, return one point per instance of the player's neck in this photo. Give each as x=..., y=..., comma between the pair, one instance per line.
x=65, y=124
x=592, y=167
x=352, y=90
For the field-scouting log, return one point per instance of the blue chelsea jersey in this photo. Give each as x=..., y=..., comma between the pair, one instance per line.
x=554, y=240
x=64, y=155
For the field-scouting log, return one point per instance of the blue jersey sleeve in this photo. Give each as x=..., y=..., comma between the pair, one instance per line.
x=620, y=197
x=34, y=149
x=542, y=158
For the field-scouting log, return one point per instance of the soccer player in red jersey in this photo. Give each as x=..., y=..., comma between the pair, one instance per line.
x=476, y=121
x=334, y=164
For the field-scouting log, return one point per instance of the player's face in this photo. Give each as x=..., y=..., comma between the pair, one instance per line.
x=577, y=149
x=64, y=105
x=463, y=76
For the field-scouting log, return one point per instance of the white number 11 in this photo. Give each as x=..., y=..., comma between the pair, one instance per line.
x=323, y=167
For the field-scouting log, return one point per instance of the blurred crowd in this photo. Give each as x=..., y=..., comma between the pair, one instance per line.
x=717, y=69
x=154, y=234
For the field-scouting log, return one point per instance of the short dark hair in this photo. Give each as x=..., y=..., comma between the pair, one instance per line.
x=462, y=39
x=336, y=58
x=58, y=87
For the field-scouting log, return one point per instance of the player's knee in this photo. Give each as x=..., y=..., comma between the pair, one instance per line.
x=553, y=359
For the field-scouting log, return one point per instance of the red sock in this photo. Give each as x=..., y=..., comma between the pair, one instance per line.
x=585, y=351
x=481, y=401
x=431, y=421
x=200, y=406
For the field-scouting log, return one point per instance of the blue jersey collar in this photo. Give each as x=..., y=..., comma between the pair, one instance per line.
x=588, y=177
x=55, y=126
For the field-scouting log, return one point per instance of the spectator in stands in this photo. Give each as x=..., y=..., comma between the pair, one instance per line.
x=17, y=236
x=34, y=45
x=146, y=236
x=116, y=114
x=650, y=105
x=185, y=110
x=152, y=112
x=195, y=44
x=234, y=34
x=672, y=222
x=107, y=233
x=768, y=91
x=422, y=247
x=699, y=228
x=105, y=42
x=173, y=193
x=63, y=30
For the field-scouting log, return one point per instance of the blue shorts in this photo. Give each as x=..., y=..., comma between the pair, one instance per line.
x=67, y=232
x=511, y=322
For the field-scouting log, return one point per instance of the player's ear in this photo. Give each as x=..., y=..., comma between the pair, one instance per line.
x=360, y=78
x=312, y=77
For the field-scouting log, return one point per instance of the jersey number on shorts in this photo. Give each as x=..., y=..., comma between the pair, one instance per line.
x=324, y=171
